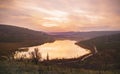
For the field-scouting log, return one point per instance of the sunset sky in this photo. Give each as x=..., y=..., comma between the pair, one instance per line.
x=61, y=15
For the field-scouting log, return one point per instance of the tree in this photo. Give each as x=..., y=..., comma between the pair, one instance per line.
x=47, y=57
x=35, y=56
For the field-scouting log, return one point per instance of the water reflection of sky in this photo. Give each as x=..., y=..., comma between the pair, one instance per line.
x=58, y=49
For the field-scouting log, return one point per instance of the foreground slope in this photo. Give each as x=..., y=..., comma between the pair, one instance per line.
x=12, y=37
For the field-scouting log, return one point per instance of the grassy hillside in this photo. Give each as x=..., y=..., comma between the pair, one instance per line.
x=12, y=37
x=108, y=55
x=29, y=68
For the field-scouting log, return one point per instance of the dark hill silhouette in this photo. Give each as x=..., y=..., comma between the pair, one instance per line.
x=81, y=35
x=12, y=37
x=108, y=55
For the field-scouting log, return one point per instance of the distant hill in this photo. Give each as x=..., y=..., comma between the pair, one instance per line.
x=108, y=55
x=81, y=35
x=12, y=37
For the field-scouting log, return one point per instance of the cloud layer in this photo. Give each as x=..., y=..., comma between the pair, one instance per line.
x=62, y=15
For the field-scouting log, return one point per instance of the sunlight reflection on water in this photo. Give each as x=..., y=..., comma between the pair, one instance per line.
x=58, y=49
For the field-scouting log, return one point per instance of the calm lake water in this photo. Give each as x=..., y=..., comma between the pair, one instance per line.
x=58, y=49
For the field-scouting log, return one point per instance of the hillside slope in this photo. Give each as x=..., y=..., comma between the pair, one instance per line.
x=12, y=37
x=108, y=55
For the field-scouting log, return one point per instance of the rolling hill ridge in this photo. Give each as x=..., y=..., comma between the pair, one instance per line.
x=81, y=35
x=108, y=55
x=12, y=37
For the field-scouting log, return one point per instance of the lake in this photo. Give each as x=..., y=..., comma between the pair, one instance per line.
x=58, y=49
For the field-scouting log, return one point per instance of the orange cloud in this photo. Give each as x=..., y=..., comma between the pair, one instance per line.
x=61, y=15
